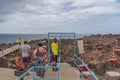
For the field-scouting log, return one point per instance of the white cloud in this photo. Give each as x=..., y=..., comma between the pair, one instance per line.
x=48, y=13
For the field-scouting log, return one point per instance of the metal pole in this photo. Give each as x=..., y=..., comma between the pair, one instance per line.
x=59, y=57
x=59, y=72
x=49, y=49
x=33, y=74
x=74, y=49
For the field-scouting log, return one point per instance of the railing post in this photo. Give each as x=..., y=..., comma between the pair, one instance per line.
x=74, y=49
x=59, y=72
x=49, y=56
x=33, y=78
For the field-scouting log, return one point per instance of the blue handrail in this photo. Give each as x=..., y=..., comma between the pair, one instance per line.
x=33, y=67
x=45, y=67
x=25, y=73
x=92, y=74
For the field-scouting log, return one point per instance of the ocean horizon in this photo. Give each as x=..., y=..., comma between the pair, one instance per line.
x=12, y=38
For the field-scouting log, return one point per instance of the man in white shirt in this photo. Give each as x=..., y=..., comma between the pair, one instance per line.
x=25, y=48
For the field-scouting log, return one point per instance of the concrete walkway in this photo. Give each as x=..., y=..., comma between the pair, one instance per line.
x=7, y=74
x=67, y=73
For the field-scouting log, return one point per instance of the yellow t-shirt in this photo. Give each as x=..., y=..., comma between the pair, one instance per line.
x=54, y=47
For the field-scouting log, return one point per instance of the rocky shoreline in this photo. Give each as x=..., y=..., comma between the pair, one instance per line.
x=96, y=60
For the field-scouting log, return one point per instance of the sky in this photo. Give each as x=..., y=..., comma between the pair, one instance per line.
x=43, y=16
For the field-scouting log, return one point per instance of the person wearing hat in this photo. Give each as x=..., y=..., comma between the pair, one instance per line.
x=25, y=49
x=19, y=41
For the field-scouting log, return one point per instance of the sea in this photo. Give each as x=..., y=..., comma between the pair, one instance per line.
x=12, y=38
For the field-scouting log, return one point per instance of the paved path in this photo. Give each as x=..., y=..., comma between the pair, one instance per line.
x=67, y=73
x=7, y=74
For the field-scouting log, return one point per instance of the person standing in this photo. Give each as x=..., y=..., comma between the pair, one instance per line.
x=54, y=48
x=19, y=41
x=39, y=55
x=25, y=48
x=44, y=44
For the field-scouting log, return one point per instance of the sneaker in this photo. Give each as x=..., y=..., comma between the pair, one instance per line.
x=28, y=74
x=38, y=77
x=55, y=70
x=42, y=76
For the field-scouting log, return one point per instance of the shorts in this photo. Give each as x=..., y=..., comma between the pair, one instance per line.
x=55, y=58
x=26, y=59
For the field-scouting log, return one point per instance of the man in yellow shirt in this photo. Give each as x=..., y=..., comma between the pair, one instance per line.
x=54, y=48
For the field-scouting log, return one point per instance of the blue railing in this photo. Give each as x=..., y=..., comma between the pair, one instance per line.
x=36, y=67
x=59, y=35
x=82, y=62
x=45, y=67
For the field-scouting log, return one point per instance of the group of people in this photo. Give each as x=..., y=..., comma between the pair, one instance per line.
x=23, y=60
